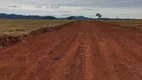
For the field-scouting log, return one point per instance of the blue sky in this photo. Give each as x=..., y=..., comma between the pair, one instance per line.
x=64, y=8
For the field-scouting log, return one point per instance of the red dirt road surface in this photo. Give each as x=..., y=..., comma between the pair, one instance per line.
x=84, y=50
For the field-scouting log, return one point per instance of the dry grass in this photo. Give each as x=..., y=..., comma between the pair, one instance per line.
x=20, y=27
x=134, y=24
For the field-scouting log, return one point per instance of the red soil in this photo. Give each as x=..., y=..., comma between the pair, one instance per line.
x=85, y=50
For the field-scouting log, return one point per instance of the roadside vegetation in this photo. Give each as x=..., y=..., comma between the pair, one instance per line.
x=134, y=24
x=21, y=27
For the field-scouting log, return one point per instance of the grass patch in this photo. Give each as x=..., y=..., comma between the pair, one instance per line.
x=21, y=27
x=134, y=24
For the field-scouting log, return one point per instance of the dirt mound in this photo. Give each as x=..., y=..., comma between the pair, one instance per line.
x=49, y=29
x=6, y=40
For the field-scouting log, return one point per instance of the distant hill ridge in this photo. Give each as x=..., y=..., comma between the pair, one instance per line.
x=15, y=16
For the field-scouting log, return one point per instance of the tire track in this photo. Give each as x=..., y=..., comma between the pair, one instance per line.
x=86, y=50
x=64, y=64
x=88, y=61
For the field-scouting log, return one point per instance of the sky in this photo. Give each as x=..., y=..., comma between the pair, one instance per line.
x=64, y=8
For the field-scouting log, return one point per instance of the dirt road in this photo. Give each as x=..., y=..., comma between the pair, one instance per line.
x=85, y=50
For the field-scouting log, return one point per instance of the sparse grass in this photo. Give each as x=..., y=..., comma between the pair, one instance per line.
x=21, y=27
x=134, y=24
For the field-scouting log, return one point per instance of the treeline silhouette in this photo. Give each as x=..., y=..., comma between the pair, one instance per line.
x=15, y=16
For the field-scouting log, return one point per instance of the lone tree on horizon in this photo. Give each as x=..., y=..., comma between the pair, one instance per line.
x=98, y=15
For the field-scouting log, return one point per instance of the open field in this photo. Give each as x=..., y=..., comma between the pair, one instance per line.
x=20, y=27
x=83, y=50
x=134, y=24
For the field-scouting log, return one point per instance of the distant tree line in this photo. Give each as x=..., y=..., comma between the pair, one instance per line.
x=15, y=16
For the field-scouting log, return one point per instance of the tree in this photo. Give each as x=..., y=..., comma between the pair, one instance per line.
x=98, y=15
